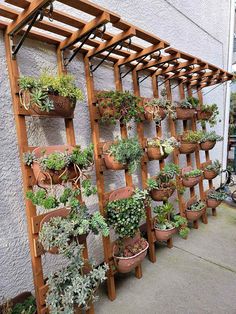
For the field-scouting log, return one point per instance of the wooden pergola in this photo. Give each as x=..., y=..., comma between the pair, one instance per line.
x=129, y=50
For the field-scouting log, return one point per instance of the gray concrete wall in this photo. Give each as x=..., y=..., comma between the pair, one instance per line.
x=197, y=27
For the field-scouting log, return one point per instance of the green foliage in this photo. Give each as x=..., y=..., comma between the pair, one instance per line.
x=197, y=206
x=164, y=177
x=83, y=158
x=126, y=106
x=88, y=188
x=125, y=215
x=192, y=173
x=26, y=307
x=127, y=152
x=215, y=166
x=166, y=146
x=210, y=136
x=40, y=198
x=193, y=100
x=219, y=195
x=55, y=161
x=189, y=103
x=39, y=88
x=29, y=158
x=192, y=136
x=215, y=112
x=163, y=103
x=183, y=232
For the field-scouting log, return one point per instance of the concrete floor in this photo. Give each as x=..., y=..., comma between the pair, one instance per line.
x=196, y=276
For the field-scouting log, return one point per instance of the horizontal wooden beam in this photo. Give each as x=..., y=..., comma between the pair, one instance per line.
x=183, y=73
x=176, y=67
x=24, y=17
x=90, y=26
x=115, y=40
x=157, y=62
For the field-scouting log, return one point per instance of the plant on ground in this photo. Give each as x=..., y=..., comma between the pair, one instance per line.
x=166, y=146
x=197, y=206
x=192, y=173
x=215, y=166
x=127, y=152
x=126, y=106
x=219, y=195
x=210, y=136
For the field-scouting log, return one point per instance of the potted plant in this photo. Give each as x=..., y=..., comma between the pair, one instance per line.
x=166, y=224
x=214, y=198
x=163, y=185
x=118, y=105
x=24, y=303
x=189, y=141
x=59, y=164
x=211, y=169
x=208, y=113
x=195, y=209
x=191, y=177
x=159, y=149
x=49, y=95
x=186, y=108
x=209, y=140
x=121, y=154
x=124, y=214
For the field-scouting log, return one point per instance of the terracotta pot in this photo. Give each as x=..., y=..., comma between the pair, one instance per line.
x=203, y=115
x=209, y=174
x=184, y=113
x=207, y=145
x=126, y=264
x=63, y=106
x=112, y=164
x=212, y=203
x=154, y=153
x=104, y=108
x=20, y=298
x=121, y=193
x=46, y=178
x=187, y=148
x=162, y=194
x=194, y=215
x=62, y=212
x=191, y=181
x=150, y=112
x=164, y=235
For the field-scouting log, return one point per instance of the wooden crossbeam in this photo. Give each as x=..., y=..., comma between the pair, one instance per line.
x=176, y=67
x=115, y=40
x=183, y=73
x=90, y=26
x=145, y=52
x=160, y=60
x=26, y=16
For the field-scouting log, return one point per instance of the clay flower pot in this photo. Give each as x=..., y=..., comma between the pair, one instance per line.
x=184, y=113
x=203, y=115
x=164, y=235
x=191, y=181
x=162, y=194
x=46, y=178
x=209, y=174
x=212, y=203
x=62, y=212
x=194, y=215
x=109, y=160
x=207, y=145
x=121, y=193
x=154, y=153
x=63, y=106
x=187, y=148
x=127, y=264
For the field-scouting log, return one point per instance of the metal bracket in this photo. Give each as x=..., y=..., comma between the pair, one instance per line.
x=145, y=77
x=133, y=67
x=68, y=60
x=39, y=14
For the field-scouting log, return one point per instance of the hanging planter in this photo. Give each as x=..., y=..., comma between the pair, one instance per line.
x=122, y=154
x=163, y=185
x=186, y=109
x=189, y=141
x=155, y=109
x=50, y=96
x=211, y=170
x=203, y=115
x=208, y=113
x=118, y=105
x=158, y=149
x=166, y=225
x=191, y=177
x=195, y=209
x=125, y=210
x=209, y=140
x=214, y=198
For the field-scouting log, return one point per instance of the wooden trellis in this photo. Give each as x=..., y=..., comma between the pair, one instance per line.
x=105, y=46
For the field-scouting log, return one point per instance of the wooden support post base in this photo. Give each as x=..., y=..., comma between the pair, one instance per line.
x=204, y=218
x=111, y=290
x=214, y=213
x=152, y=252
x=170, y=243
x=138, y=272
x=195, y=224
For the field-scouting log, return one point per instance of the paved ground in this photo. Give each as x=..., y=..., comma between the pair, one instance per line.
x=196, y=276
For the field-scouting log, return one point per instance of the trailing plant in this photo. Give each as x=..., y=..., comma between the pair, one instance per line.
x=192, y=136
x=126, y=106
x=125, y=215
x=127, y=152
x=39, y=88
x=215, y=166
x=192, y=173
x=210, y=136
x=213, y=119
x=166, y=146
x=164, y=178
x=197, y=206
x=218, y=195
x=166, y=220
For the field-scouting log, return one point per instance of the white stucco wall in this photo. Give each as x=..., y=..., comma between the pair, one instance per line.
x=197, y=27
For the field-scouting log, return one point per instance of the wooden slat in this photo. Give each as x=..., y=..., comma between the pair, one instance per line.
x=176, y=67
x=26, y=15
x=183, y=73
x=160, y=60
